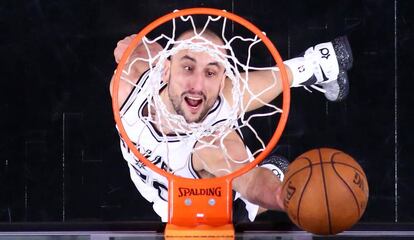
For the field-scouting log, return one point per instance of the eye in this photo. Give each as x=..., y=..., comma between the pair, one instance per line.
x=210, y=73
x=188, y=68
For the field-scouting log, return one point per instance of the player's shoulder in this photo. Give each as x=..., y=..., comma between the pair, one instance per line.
x=127, y=83
x=227, y=91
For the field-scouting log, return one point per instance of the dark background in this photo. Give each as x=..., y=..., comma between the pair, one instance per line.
x=59, y=154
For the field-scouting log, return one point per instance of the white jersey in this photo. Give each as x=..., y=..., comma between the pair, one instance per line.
x=174, y=156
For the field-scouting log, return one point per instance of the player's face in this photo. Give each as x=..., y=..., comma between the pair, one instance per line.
x=194, y=84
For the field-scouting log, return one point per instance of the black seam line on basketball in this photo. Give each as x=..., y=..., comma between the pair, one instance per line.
x=348, y=165
x=315, y=164
x=341, y=163
x=303, y=190
x=346, y=184
x=293, y=174
x=304, y=187
x=326, y=194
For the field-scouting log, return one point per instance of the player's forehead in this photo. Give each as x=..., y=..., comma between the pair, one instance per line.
x=194, y=56
x=202, y=57
x=208, y=35
x=207, y=39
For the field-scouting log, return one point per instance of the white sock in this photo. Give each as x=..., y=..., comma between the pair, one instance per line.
x=318, y=65
x=301, y=71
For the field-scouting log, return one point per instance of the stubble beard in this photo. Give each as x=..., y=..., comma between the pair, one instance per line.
x=177, y=101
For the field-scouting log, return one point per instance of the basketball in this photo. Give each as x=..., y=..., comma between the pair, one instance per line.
x=325, y=191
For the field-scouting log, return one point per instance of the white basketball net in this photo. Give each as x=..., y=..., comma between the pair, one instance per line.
x=236, y=118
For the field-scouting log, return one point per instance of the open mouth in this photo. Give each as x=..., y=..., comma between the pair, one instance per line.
x=193, y=102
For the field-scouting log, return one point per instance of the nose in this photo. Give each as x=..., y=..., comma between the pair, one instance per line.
x=197, y=82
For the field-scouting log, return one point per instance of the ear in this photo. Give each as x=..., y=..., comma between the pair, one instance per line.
x=166, y=71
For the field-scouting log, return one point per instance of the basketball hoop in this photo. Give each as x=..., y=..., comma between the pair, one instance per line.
x=200, y=213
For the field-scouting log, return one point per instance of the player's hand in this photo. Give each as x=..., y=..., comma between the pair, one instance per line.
x=121, y=46
x=279, y=198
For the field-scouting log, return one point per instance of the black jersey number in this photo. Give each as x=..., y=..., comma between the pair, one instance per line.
x=160, y=187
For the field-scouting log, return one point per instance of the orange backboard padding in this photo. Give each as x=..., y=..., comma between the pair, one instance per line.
x=224, y=232
x=200, y=201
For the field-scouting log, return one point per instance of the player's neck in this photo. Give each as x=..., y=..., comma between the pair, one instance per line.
x=161, y=123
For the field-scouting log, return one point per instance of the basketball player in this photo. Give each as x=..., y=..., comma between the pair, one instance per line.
x=196, y=87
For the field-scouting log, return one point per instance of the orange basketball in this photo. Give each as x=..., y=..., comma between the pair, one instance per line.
x=325, y=191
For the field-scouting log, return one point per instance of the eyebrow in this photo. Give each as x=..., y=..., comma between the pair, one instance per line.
x=186, y=57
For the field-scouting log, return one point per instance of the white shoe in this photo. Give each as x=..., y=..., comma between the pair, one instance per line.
x=330, y=62
x=323, y=67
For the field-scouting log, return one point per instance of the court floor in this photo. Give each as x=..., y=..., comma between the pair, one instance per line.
x=280, y=235
x=154, y=231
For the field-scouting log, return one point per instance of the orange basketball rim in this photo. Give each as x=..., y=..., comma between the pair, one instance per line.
x=202, y=214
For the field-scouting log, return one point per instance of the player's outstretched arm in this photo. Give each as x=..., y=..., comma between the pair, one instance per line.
x=262, y=187
x=258, y=82
x=322, y=67
x=259, y=186
x=137, y=67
